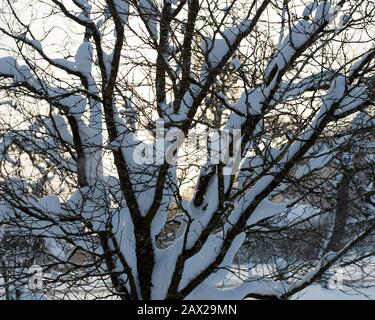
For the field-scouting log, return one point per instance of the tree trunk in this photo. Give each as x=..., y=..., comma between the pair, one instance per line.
x=341, y=215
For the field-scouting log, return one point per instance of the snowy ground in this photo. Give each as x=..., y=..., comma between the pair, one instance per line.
x=353, y=287
x=354, y=284
x=317, y=292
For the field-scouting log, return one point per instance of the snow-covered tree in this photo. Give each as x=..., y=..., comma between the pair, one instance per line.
x=101, y=98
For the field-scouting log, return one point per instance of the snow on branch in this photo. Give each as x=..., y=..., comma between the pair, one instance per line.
x=23, y=75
